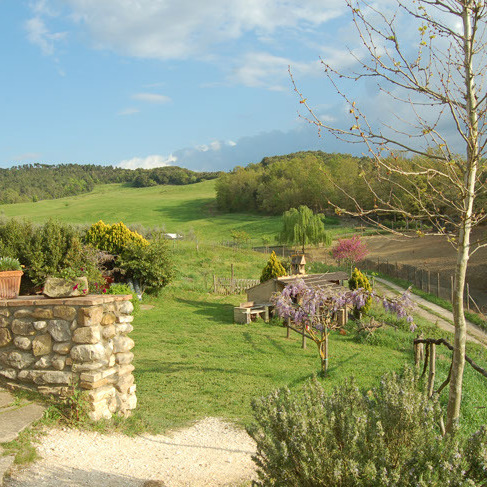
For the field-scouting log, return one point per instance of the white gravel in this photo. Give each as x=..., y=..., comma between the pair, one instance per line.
x=212, y=452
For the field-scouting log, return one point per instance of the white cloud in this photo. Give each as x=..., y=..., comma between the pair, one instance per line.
x=128, y=111
x=148, y=162
x=264, y=70
x=151, y=97
x=175, y=29
x=39, y=34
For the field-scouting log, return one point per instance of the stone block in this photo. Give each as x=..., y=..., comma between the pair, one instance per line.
x=20, y=360
x=42, y=313
x=125, y=369
x=23, y=327
x=124, y=328
x=122, y=344
x=67, y=313
x=42, y=345
x=9, y=373
x=59, y=362
x=124, y=383
x=62, y=348
x=90, y=316
x=104, y=392
x=124, y=358
x=4, y=322
x=56, y=377
x=94, y=385
x=87, y=334
x=88, y=366
x=22, y=342
x=125, y=307
x=59, y=330
x=125, y=319
x=25, y=375
x=88, y=353
x=4, y=312
x=96, y=376
x=61, y=391
x=108, y=332
x=5, y=337
x=62, y=288
x=44, y=362
x=40, y=325
x=108, y=319
x=23, y=313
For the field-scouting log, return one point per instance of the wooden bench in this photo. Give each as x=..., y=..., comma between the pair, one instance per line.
x=248, y=311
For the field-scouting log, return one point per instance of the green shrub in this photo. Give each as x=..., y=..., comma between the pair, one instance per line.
x=148, y=266
x=125, y=289
x=385, y=437
x=358, y=280
x=9, y=264
x=50, y=249
x=113, y=238
x=272, y=269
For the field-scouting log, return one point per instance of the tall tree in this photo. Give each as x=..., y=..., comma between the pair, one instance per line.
x=440, y=83
x=301, y=226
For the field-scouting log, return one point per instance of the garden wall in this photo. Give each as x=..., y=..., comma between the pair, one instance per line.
x=54, y=345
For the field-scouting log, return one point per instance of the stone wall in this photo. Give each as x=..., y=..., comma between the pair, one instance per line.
x=53, y=345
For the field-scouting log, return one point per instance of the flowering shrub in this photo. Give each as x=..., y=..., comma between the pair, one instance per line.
x=113, y=238
x=386, y=437
x=349, y=251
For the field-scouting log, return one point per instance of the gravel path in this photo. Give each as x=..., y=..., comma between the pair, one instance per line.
x=209, y=453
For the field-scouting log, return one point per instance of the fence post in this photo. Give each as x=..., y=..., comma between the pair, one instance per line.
x=303, y=342
x=431, y=377
x=429, y=282
x=438, y=283
x=451, y=289
x=468, y=298
x=232, y=281
x=214, y=283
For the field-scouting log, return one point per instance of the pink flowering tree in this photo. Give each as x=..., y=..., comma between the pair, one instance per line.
x=312, y=310
x=349, y=251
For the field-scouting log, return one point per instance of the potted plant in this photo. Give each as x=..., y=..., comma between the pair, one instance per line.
x=10, y=276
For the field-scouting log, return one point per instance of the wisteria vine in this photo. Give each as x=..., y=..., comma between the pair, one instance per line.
x=312, y=309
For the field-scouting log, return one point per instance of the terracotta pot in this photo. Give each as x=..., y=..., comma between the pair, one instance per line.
x=10, y=284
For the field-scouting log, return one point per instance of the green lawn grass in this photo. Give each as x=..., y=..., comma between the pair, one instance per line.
x=177, y=209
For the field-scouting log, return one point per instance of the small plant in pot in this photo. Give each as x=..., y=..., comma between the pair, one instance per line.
x=65, y=284
x=10, y=276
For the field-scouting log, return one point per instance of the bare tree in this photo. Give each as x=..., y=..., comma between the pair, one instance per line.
x=440, y=82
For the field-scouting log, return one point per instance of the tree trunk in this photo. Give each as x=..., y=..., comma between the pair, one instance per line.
x=463, y=252
x=323, y=350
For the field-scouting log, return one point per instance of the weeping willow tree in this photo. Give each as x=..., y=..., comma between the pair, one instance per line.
x=302, y=227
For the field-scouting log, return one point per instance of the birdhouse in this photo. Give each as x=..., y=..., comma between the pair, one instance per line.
x=298, y=264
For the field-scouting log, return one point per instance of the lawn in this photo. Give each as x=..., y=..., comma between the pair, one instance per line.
x=192, y=361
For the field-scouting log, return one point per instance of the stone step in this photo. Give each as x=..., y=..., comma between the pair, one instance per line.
x=6, y=399
x=15, y=420
x=5, y=464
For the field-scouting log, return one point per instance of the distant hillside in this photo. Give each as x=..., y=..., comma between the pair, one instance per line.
x=281, y=182
x=34, y=182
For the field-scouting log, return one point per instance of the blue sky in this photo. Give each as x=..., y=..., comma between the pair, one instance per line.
x=151, y=82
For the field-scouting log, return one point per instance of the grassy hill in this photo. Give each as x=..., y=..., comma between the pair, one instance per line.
x=175, y=208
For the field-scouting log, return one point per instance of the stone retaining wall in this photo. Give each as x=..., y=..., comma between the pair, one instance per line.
x=53, y=345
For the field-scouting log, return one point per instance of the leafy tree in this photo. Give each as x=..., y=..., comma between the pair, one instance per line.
x=301, y=226
x=349, y=251
x=272, y=269
x=445, y=74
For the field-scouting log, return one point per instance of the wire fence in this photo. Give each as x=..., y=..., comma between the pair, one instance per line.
x=441, y=284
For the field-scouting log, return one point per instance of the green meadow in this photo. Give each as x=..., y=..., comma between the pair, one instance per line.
x=191, y=360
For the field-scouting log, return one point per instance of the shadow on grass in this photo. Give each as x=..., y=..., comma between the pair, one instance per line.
x=219, y=312
x=187, y=211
